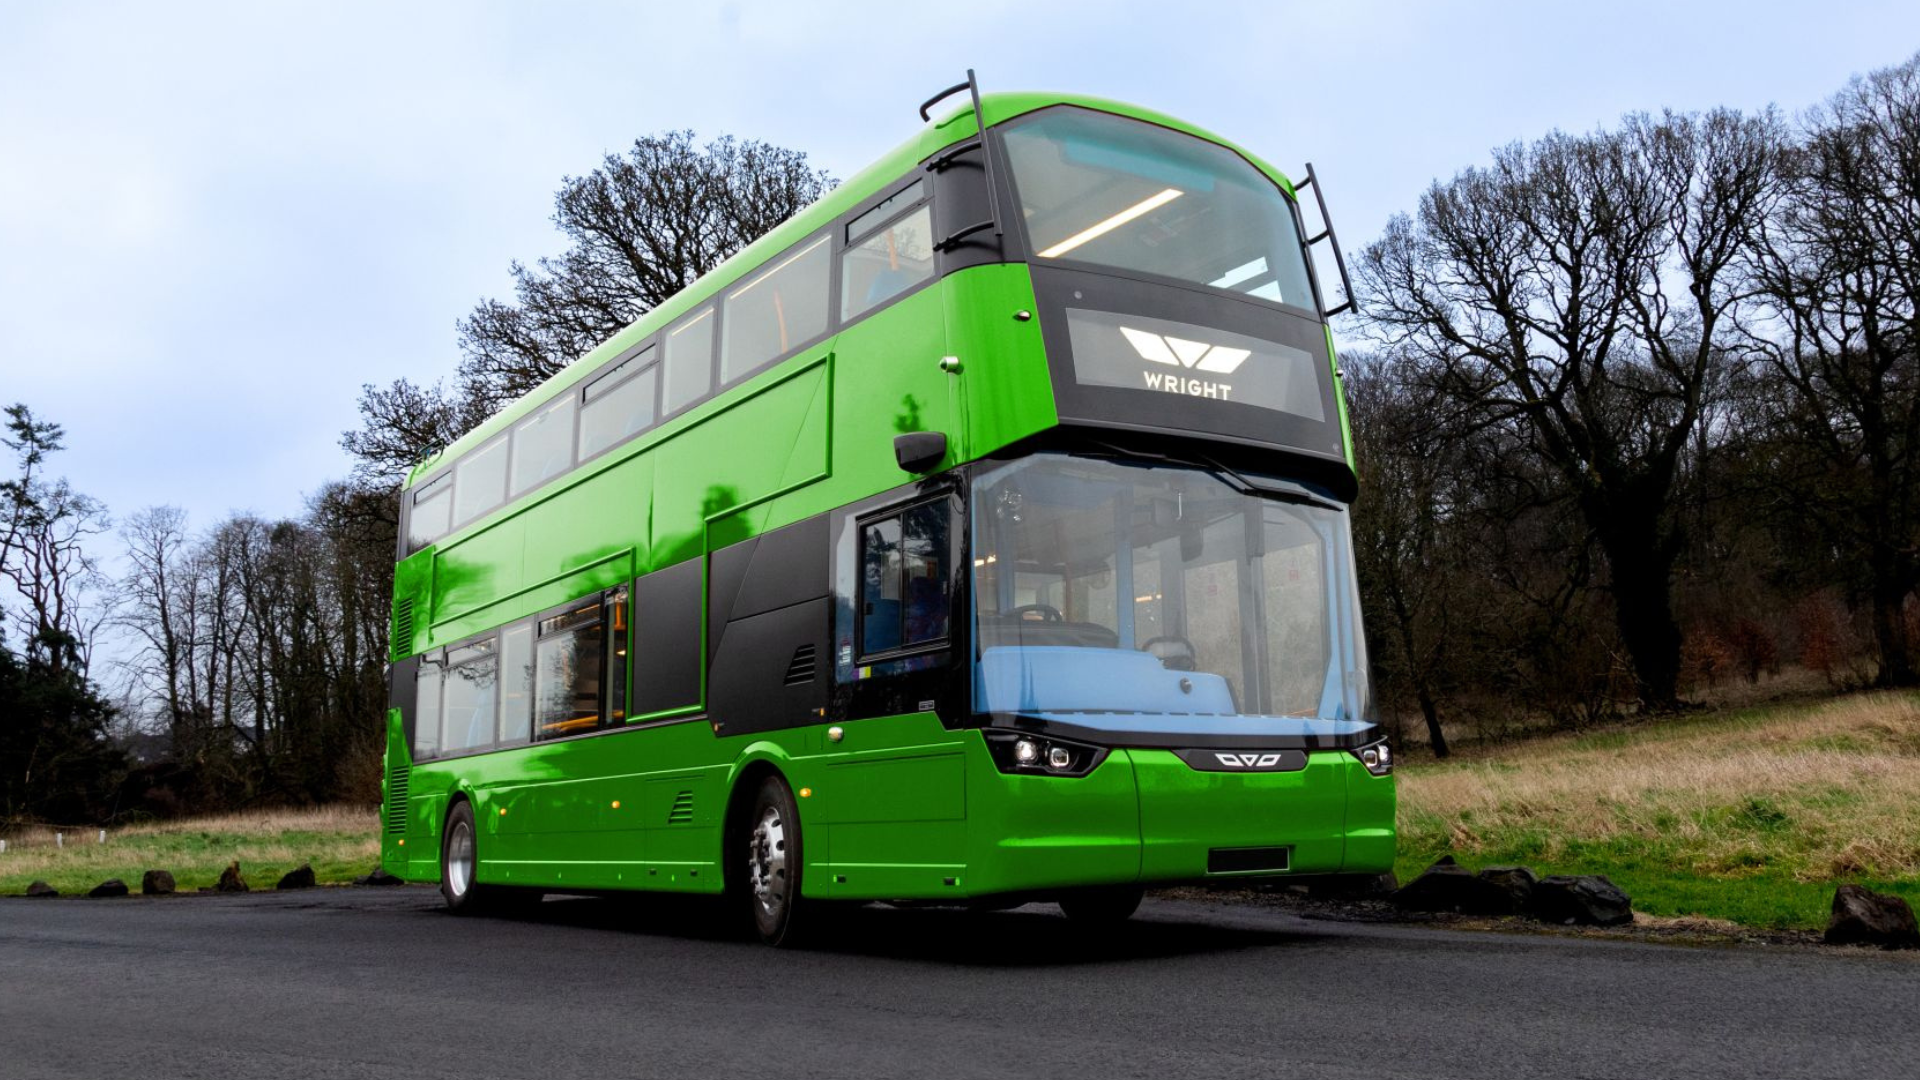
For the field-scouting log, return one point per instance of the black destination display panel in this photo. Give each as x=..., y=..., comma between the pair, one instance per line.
x=1130, y=353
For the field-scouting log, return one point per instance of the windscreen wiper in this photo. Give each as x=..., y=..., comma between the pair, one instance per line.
x=1272, y=488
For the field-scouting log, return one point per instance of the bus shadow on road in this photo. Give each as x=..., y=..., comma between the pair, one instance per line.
x=1035, y=935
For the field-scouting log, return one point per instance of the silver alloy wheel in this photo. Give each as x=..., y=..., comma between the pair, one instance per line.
x=460, y=859
x=767, y=861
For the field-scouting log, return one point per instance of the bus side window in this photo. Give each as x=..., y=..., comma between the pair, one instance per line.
x=428, y=518
x=569, y=663
x=426, y=709
x=904, y=594
x=543, y=445
x=777, y=312
x=470, y=697
x=619, y=404
x=516, y=684
x=688, y=362
x=886, y=264
x=480, y=482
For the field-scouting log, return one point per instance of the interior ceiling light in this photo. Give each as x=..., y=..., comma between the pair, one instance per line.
x=1094, y=232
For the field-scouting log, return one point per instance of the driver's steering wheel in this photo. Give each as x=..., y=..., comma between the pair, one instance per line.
x=1174, y=652
x=1047, y=613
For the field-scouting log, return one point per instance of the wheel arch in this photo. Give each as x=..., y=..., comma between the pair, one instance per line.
x=757, y=762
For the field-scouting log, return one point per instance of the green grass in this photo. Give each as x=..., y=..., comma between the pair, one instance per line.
x=1752, y=815
x=341, y=843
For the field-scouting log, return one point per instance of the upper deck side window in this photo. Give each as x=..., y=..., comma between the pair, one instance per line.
x=542, y=446
x=883, y=251
x=1107, y=191
x=688, y=361
x=431, y=511
x=777, y=311
x=480, y=481
x=620, y=403
x=889, y=251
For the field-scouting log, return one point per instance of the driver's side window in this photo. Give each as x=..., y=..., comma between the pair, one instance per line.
x=905, y=597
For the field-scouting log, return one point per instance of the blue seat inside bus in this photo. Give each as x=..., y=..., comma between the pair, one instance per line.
x=887, y=283
x=1039, y=678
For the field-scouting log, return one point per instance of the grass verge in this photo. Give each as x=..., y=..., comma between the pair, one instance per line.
x=340, y=842
x=1751, y=815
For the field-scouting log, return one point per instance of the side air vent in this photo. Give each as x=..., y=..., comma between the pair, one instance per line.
x=682, y=812
x=397, y=799
x=402, y=643
x=800, y=668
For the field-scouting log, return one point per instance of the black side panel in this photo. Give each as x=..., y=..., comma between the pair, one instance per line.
x=789, y=566
x=666, y=639
x=778, y=569
x=770, y=670
x=403, y=685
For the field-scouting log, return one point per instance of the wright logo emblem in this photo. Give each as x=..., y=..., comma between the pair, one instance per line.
x=1180, y=352
x=1183, y=353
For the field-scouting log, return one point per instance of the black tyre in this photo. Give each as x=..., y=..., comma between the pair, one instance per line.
x=459, y=859
x=1108, y=906
x=768, y=858
x=460, y=865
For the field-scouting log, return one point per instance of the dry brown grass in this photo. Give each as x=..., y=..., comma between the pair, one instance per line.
x=338, y=841
x=1821, y=793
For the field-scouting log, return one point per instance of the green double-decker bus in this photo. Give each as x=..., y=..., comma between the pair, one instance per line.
x=979, y=535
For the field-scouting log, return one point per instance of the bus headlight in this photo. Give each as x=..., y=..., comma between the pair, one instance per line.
x=1377, y=757
x=1038, y=756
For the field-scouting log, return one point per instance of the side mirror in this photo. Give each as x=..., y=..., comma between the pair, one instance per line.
x=919, y=451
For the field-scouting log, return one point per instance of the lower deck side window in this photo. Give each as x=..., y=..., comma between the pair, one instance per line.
x=579, y=669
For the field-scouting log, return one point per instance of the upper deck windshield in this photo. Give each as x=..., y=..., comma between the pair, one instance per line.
x=1114, y=588
x=1108, y=191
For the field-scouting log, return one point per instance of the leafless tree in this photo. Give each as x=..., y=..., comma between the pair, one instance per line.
x=640, y=228
x=45, y=527
x=1839, y=267
x=1577, y=293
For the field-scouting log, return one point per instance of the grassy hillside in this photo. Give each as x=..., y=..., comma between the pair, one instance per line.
x=341, y=842
x=1752, y=815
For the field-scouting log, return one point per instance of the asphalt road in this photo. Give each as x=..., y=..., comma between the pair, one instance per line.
x=379, y=983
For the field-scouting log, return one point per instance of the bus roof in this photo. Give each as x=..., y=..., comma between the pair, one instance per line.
x=953, y=127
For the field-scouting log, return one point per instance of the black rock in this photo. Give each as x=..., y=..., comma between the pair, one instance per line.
x=41, y=888
x=1864, y=917
x=110, y=887
x=378, y=877
x=1516, y=881
x=230, y=879
x=298, y=879
x=156, y=883
x=1589, y=900
x=1448, y=886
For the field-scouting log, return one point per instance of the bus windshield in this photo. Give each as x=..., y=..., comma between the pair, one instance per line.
x=1105, y=587
x=1103, y=190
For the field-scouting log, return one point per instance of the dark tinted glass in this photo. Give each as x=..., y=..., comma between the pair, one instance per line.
x=1102, y=189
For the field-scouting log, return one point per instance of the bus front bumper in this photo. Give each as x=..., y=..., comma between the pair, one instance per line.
x=1147, y=817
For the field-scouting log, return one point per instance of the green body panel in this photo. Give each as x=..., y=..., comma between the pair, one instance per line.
x=901, y=807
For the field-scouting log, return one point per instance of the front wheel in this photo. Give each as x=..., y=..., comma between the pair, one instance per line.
x=1107, y=906
x=770, y=856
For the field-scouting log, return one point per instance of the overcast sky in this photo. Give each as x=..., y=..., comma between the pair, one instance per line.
x=218, y=220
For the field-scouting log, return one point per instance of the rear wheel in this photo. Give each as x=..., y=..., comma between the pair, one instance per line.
x=769, y=855
x=1108, y=906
